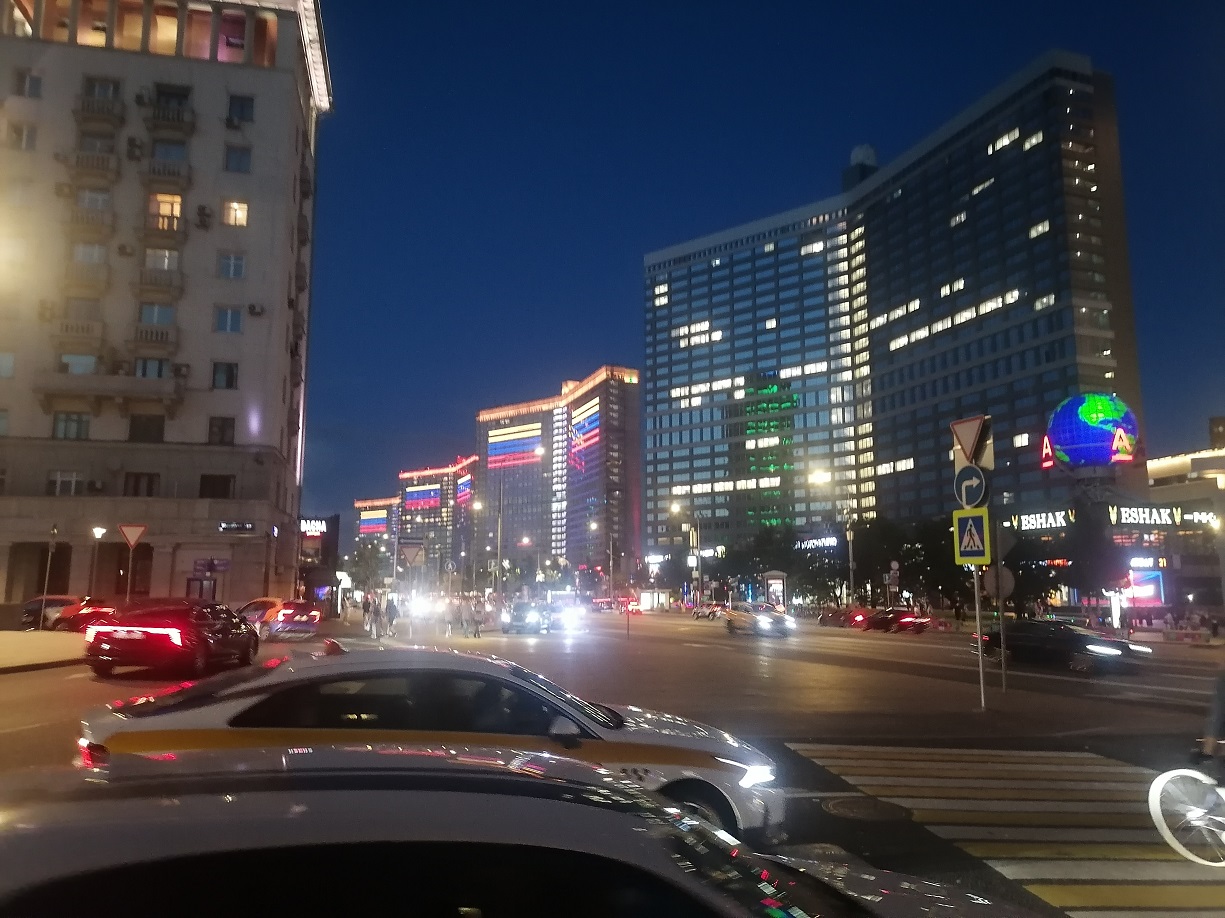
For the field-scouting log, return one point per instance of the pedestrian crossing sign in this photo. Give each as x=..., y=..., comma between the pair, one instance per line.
x=971, y=536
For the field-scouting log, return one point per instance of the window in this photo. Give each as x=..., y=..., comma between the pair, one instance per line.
x=234, y=213
x=225, y=375
x=89, y=253
x=96, y=143
x=20, y=136
x=70, y=425
x=237, y=159
x=147, y=428
x=232, y=265
x=65, y=484
x=1039, y=228
x=79, y=364
x=93, y=199
x=162, y=259
x=4, y=423
x=152, y=367
x=242, y=109
x=96, y=88
x=221, y=431
x=27, y=84
x=165, y=211
x=1021, y=439
x=141, y=484
x=228, y=319
x=217, y=487
x=156, y=314
x=172, y=151
x=6, y=365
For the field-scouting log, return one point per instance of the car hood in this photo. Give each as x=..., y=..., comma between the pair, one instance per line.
x=646, y=726
x=896, y=895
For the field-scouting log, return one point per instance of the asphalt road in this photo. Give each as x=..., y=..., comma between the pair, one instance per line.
x=880, y=742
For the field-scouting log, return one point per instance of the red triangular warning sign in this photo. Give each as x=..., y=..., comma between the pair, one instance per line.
x=967, y=432
x=132, y=533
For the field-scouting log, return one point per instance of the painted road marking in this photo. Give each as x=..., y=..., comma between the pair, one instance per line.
x=26, y=727
x=1071, y=827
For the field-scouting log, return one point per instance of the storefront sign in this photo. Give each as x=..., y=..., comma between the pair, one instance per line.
x=813, y=544
x=235, y=526
x=1145, y=516
x=1040, y=522
x=313, y=528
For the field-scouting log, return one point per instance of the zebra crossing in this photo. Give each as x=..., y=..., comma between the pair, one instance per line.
x=1071, y=827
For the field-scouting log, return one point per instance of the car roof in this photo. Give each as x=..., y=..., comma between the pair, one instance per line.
x=296, y=666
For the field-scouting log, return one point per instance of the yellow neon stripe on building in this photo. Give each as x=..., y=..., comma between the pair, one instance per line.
x=588, y=409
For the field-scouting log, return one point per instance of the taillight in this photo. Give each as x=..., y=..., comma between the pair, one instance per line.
x=93, y=755
x=858, y=618
x=904, y=620
x=284, y=615
x=92, y=632
x=315, y=616
x=175, y=635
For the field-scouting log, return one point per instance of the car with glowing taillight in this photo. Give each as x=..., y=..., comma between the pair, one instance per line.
x=183, y=635
x=895, y=619
x=282, y=619
x=1060, y=644
x=758, y=618
x=55, y=612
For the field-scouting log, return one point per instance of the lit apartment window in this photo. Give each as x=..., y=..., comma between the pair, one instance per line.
x=221, y=431
x=958, y=218
x=65, y=484
x=6, y=364
x=241, y=109
x=70, y=425
x=152, y=367
x=165, y=211
x=1039, y=228
x=89, y=253
x=771, y=323
x=228, y=319
x=234, y=213
x=1032, y=140
x=231, y=265
x=28, y=84
x=1020, y=440
x=147, y=428
x=225, y=375
x=161, y=259
x=157, y=314
x=237, y=159
x=79, y=364
x=20, y=136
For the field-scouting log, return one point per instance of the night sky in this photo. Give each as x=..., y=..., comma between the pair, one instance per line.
x=493, y=174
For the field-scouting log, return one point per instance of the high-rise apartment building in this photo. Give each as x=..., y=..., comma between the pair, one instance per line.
x=805, y=367
x=563, y=472
x=378, y=518
x=157, y=190
x=435, y=522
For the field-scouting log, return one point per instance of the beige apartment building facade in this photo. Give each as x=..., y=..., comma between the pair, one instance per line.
x=156, y=223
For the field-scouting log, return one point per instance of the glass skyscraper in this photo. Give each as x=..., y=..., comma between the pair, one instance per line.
x=804, y=368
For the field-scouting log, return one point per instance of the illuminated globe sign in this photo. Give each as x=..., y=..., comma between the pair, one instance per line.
x=1091, y=429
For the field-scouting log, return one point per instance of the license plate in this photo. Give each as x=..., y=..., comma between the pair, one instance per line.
x=300, y=618
x=128, y=635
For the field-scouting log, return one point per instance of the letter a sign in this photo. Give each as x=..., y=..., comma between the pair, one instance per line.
x=971, y=536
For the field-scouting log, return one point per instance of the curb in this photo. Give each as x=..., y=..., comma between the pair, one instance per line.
x=34, y=667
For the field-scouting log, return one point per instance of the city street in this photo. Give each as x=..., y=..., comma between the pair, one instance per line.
x=879, y=738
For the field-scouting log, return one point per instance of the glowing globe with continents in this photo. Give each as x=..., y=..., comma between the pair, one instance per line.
x=1091, y=429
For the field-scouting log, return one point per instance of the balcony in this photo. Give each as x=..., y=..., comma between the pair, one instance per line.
x=88, y=166
x=299, y=324
x=99, y=389
x=92, y=113
x=154, y=340
x=88, y=281
x=158, y=284
x=79, y=336
x=301, y=277
x=170, y=120
x=166, y=175
x=304, y=229
x=306, y=183
x=163, y=232
x=86, y=224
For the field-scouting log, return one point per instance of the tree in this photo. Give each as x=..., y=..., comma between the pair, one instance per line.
x=369, y=567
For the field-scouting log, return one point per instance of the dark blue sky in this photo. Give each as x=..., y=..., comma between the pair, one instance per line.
x=494, y=173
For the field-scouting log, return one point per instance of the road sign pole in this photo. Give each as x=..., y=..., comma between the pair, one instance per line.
x=978, y=629
x=131, y=552
x=999, y=594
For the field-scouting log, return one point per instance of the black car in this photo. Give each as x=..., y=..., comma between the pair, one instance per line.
x=897, y=619
x=1061, y=644
x=527, y=616
x=178, y=634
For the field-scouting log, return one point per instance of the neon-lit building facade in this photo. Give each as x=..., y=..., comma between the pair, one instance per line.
x=436, y=517
x=561, y=464
x=377, y=519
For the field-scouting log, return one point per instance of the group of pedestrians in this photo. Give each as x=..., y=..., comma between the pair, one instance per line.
x=467, y=615
x=379, y=621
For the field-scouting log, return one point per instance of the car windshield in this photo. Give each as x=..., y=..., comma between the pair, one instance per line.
x=602, y=714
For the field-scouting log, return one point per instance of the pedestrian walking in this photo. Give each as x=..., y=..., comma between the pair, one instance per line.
x=392, y=614
x=478, y=617
x=366, y=612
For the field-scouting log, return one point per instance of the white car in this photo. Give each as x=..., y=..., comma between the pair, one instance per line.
x=445, y=832
x=426, y=695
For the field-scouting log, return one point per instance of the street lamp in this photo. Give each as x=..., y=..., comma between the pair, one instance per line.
x=824, y=477
x=697, y=547
x=99, y=532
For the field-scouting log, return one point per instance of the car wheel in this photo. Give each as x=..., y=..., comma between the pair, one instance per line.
x=1080, y=663
x=247, y=656
x=199, y=661
x=102, y=670
x=706, y=802
x=919, y=629
x=506, y=631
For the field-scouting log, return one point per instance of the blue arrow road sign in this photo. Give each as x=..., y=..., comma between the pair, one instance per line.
x=970, y=486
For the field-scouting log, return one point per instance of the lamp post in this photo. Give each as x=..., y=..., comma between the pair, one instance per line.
x=42, y=611
x=99, y=532
x=697, y=547
x=822, y=477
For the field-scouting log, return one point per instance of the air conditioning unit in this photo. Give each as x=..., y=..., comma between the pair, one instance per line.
x=254, y=309
x=63, y=190
x=126, y=250
x=233, y=124
x=182, y=370
x=95, y=486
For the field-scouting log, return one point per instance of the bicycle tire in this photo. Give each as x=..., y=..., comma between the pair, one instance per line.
x=1175, y=801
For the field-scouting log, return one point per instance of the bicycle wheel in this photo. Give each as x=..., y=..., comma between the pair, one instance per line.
x=1188, y=810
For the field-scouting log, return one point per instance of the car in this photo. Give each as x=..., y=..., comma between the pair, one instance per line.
x=569, y=618
x=895, y=619
x=454, y=830
x=57, y=612
x=280, y=619
x=533, y=617
x=440, y=695
x=175, y=633
x=758, y=618
x=1060, y=644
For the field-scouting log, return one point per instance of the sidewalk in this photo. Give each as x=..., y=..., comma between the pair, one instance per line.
x=23, y=651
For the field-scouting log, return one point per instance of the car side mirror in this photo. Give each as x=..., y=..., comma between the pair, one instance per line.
x=565, y=731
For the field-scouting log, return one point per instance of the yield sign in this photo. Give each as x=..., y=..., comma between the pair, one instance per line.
x=132, y=533
x=967, y=432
